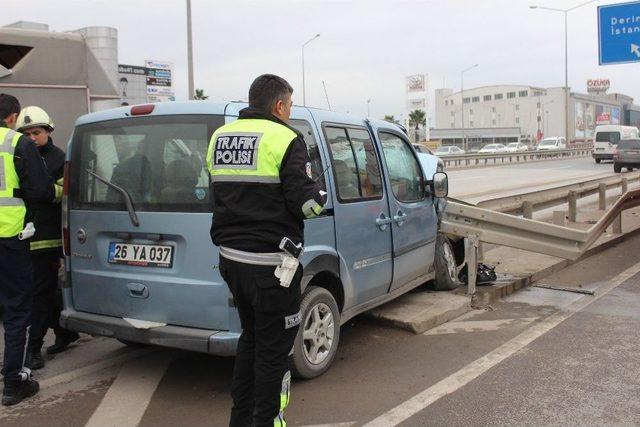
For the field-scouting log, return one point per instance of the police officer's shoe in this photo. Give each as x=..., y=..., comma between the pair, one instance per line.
x=15, y=391
x=62, y=342
x=34, y=360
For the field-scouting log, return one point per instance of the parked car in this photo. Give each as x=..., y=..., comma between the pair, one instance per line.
x=553, y=143
x=493, y=148
x=607, y=137
x=141, y=266
x=626, y=155
x=515, y=147
x=448, y=150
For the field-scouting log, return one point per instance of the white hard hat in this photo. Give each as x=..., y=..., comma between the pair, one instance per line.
x=33, y=116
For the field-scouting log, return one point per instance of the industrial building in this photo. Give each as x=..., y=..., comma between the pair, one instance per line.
x=492, y=112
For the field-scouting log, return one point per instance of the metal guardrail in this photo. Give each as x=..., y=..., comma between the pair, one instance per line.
x=526, y=203
x=476, y=159
x=482, y=225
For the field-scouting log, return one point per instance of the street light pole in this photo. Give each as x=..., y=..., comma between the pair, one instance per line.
x=566, y=59
x=304, y=95
x=368, y=110
x=189, y=52
x=464, y=139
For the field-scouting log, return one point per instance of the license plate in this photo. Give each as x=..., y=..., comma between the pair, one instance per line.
x=141, y=255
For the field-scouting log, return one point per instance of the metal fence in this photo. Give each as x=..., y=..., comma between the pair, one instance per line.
x=476, y=159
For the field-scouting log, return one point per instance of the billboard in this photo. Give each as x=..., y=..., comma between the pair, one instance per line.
x=417, y=103
x=589, y=115
x=159, y=84
x=416, y=83
x=132, y=84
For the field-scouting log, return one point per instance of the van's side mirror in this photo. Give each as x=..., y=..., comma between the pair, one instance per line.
x=440, y=185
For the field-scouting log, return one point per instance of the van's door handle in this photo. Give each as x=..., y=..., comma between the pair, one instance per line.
x=382, y=221
x=400, y=217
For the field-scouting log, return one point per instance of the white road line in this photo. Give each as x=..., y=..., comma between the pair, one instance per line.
x=476, y=368
x=96, y=367
x=127, y=399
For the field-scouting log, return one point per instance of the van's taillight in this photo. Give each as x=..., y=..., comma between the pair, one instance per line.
x=141, y=110
x=66, y=244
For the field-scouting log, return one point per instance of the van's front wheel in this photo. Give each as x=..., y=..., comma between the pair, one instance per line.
x=446, y=265
x=317, y=340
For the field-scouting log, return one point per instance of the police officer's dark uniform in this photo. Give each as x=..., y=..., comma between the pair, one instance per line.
x=23, y=177
x=46, y=251
x=261, y=193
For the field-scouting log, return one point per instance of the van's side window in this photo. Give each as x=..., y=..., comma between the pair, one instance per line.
x=404, y=170
x=312, y=148
x=355, y=163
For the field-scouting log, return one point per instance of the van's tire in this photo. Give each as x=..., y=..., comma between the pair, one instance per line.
x=446, y=265
x=629, y=169
x=598, y=160
x=617, y=168
x=317, y=304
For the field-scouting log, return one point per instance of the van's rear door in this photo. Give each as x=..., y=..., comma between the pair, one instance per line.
x=164, y=269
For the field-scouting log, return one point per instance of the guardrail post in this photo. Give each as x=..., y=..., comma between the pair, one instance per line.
x=527, y=210
x=573, y=206
x=616, y=225
x=625, y=185
x=471, y=258
x=602, y=196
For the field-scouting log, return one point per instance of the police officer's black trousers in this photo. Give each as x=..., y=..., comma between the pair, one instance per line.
x=16, y=298
x=46, y=304
x=269, y=314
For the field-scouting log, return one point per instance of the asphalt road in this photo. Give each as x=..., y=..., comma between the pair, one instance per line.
x=538, y=357
x=477, y=184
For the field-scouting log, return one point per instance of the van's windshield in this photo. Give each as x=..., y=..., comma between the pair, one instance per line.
x=612, y=137
x=160, y=161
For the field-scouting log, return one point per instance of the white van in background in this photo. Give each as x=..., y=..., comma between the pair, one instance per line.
x=606, y=140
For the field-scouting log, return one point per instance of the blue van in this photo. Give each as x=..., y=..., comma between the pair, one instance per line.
x=140, y=263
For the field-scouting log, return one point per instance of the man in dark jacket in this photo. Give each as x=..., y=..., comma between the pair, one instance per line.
x=23, y=180
x=46, y=244
x=261, y=195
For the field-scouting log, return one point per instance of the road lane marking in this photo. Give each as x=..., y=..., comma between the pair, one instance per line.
x=127, y=399
x=464, y=376
x=455, y=327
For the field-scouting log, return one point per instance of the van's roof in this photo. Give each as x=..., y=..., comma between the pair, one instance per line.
x=229, y=109
x=609, y=128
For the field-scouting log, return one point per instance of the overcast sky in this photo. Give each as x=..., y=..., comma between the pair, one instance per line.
x=365, y=50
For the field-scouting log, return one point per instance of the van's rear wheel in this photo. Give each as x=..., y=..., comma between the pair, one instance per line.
x=446, y=265
x=617, y=168
x=598, y=160
x=317, y=340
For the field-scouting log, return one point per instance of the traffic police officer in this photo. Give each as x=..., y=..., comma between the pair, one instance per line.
x=23, y=178
x=261, y=195
x=46, y=244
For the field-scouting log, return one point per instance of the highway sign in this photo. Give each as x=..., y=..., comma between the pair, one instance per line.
x=619, y=33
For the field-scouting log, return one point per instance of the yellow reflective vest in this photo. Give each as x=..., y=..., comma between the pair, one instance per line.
x=12, y=209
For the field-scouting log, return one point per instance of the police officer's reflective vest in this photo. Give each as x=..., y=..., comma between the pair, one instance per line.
x=12, y=209
x=248, y=150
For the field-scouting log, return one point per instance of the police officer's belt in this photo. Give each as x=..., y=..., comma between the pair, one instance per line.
x=268, y=258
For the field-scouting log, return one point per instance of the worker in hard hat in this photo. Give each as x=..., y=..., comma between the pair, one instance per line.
x=46, y=244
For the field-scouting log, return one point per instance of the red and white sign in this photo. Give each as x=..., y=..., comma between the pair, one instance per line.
x=598, y=85
x=603, y=119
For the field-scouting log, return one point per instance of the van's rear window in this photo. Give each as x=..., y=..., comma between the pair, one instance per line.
x=159, y=160
x=612, y=137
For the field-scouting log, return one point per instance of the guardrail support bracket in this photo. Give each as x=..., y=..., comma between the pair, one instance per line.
x=471, y=258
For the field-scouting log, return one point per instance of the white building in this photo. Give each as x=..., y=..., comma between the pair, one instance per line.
x=536, y=111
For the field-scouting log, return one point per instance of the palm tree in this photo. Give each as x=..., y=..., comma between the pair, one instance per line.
x=417, y=118
x=390, y=118
x=200, y=95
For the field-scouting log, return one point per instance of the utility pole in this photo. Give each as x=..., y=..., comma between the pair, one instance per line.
x=464, y=139
x=304, y=89
x=190, y=52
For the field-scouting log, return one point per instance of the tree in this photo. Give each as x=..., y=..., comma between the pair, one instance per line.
x=391, y=119
x=200, y=95
x=417, y=118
